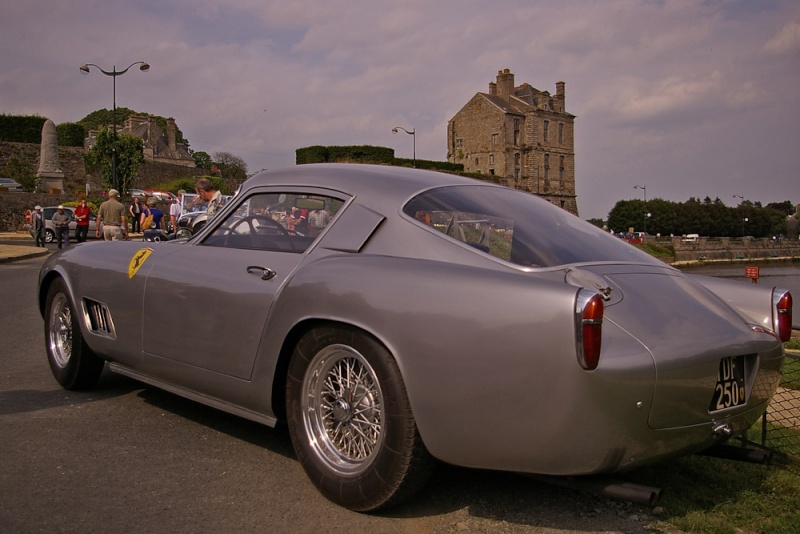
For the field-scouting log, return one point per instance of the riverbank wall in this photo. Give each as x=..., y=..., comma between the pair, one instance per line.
x=722, y=249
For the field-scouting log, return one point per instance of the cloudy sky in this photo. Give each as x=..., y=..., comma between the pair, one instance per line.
x=688, y=98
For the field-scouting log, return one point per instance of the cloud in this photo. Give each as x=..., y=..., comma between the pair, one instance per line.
x=786, y=42
x=668, y=92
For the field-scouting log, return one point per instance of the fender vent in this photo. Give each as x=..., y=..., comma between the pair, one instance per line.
x=98, y=319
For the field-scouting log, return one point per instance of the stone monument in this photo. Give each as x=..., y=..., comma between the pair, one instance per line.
x=50, y=176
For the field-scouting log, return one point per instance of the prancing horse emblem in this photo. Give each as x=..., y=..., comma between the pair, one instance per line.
x=138, y=260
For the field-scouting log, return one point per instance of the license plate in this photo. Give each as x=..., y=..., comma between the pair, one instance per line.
x=729, y=390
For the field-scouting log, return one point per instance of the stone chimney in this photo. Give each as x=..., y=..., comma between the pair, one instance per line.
x=561, y=103
x=505, y=84
x=171, y=135
x=492, y=88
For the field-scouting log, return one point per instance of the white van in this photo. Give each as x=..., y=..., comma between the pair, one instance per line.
x=690, y=238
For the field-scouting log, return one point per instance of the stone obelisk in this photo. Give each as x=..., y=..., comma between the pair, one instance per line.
x=50, y=176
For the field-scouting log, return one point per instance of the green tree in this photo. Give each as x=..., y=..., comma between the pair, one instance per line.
x=202, y=160
x=233, y=171
x=22, y=171
x=129, y=152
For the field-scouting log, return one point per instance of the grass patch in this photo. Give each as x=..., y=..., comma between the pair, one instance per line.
x=715, y=496
x=793, y=344
x=662, y=253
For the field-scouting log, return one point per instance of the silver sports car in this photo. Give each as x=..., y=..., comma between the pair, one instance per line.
x=393, y=317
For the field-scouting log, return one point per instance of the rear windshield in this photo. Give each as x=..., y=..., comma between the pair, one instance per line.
x=518, y=227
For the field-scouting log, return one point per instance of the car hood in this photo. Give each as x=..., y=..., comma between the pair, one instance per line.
x=688, y=330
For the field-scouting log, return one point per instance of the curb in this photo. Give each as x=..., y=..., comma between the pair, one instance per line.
x=26, y=256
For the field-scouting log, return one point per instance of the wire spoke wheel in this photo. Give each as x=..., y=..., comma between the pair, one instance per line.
x=71, y=360
x=343, y=407
x=60, y=332
x=351, y=422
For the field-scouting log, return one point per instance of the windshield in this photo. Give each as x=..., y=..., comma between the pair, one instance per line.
x=518, y=227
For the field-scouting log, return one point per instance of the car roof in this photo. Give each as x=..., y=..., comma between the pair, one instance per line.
x=373, y=184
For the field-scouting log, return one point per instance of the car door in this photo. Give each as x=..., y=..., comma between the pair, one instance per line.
x=206, y=304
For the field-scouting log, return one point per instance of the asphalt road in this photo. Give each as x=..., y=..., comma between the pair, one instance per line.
x=128, y=457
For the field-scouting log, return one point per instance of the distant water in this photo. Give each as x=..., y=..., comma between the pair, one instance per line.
x=785, y=276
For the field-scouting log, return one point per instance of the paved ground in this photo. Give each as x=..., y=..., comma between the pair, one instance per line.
x=25, y=250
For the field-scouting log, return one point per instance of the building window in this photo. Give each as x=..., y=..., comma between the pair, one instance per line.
x=516, y=131
x=545, y=130
x=477, y=161
x=459, y=143
x=495, y=139
x=491, y=159
x=516, y=159
x=560, y=133
x=561, y=168
x=546, y=167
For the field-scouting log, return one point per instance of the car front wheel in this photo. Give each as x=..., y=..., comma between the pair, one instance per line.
x=49, y=235
x=351, y=423
x=72, y=362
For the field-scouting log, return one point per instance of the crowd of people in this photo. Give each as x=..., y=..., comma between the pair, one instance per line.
x=115, y=221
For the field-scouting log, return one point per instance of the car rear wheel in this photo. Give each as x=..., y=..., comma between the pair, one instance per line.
x=49, y=235
x=351, y=423
x=72, y=362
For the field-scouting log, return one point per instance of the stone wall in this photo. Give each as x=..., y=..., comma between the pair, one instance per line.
x=726, y=248
x=13, y=206
x=70, y=160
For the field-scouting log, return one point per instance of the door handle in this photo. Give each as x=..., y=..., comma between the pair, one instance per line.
x=264, y=272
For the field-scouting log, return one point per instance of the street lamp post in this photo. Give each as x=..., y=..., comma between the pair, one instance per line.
x=144, y=67
x=744, y=220
x=413, y=134
x=646, y=215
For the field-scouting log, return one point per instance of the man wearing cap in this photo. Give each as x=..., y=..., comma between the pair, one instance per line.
x=61, y=220
x=38, y=226
x=112, y=217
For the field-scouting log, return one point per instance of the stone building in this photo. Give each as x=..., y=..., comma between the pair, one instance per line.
x=159, y=146
x=521, y=136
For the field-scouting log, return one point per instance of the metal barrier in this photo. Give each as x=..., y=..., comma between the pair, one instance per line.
x=780, y=425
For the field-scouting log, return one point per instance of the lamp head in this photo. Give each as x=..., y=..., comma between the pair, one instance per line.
x=144, y=66
x=85, y=69
x=394, y=130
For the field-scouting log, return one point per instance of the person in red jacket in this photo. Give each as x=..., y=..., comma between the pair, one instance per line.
x=82, y=218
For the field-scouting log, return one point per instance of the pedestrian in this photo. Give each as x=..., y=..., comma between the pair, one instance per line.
x=38, y=226
x=207, y=191
x=317, y=221
x=152, y=217
x=61, y=220
x=174, y=214
x=82, y=218
x=135, y=210
x=111, y=218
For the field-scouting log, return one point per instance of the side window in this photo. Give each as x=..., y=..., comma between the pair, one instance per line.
x=487, y=233
x=278, y=222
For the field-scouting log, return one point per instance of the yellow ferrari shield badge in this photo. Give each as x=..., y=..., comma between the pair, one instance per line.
x=138, y=260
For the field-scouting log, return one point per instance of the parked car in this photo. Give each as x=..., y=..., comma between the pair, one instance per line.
x=7, y=184
x=50, y=228
x=191, y=222
x=164, y=196
x=427, y=316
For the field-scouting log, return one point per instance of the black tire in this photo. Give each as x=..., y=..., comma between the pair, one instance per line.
x=72, y=362
x=49, y=235
x=351, y=423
